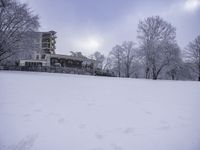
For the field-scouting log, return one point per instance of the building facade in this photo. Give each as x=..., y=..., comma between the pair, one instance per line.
x=48, y=40
x=42, y=54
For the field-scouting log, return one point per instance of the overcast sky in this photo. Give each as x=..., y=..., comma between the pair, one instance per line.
x=98, y=25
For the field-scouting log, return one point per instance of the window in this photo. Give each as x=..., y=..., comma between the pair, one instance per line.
x=26, y=64
x=37, y=57
x=43, y=56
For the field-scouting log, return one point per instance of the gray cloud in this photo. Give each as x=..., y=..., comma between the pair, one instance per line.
x=92, y=25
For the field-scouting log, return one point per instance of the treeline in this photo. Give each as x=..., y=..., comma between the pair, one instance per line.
x=156, y=54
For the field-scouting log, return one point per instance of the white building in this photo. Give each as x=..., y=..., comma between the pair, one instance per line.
x=42, y=53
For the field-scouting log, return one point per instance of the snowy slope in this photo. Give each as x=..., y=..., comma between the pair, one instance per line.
x=42, y=111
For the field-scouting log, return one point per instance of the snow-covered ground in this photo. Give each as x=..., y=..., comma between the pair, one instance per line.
x=43, y=111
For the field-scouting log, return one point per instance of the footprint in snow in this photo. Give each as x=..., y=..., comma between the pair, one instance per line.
x=99, y=136
x=61, y=120
x=129, y=130
x=26, y=115
x=165, y=127
x=52, y=114
x=181, y=117
x=26, y=143
x=116, y=147
x=37, y=110
x=163, y=122
x=82, y=126
x=147, y=112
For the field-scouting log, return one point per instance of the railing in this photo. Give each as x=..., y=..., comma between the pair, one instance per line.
x=51, y=69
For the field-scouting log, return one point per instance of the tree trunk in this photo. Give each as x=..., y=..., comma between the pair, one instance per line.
x=155, y=77
x=119, y=73
x=155, y=74
x=127, y=71
x=147, y=73
x=173, y=77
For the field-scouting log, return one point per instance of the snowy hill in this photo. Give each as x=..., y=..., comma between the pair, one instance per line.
x=42, y=111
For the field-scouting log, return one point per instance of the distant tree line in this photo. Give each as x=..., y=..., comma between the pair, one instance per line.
x=155, y=56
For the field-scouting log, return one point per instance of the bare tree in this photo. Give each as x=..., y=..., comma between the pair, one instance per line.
x=78, y=55
x=108, y=63
x=193, y=55
x=122, y=58
x=157, y=39
x=2, y=4
x=99, y=59
x=16, y=20
x=174, y=62
x=116, y=56
x=129, y=52
x=168, y=57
